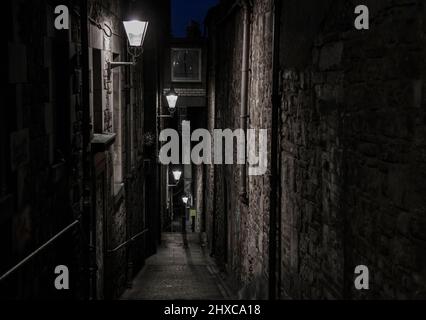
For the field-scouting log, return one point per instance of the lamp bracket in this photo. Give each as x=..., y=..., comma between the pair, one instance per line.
x=134, y=52
x=113, y=65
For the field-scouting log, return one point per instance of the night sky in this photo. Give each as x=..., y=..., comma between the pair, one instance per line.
x=183, y=11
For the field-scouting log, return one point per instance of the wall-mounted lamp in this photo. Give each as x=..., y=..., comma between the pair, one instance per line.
x=136, y=32
x=172, y=98
x=187, y=200
x=177, y=174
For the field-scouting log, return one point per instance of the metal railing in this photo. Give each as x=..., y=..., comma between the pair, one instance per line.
x=37, y=251
x=131, y=240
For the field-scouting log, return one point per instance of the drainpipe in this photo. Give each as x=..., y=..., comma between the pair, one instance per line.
x=244, y=91
x=88, y=212
x=274, y=205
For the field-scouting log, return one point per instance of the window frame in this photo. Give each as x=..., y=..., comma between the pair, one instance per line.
x=181, y=79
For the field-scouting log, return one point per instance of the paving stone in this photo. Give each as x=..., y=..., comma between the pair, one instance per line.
x=176, y=273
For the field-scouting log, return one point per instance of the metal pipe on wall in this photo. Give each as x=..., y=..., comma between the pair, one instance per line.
x=274, y=204
x=244, y=91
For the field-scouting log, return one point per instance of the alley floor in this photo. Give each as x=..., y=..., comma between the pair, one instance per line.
x=181, y=270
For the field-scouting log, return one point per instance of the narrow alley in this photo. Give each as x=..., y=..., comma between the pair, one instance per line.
x=180, y=270
x=250, y=150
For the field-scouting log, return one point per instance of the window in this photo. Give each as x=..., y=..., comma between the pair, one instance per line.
x=186, y=65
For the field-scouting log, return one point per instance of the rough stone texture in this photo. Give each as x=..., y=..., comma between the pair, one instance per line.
x=118, y=211
x=199, y=188
x=385, y=144
x=256, y=222
x=351, y=124
x=311, y=225
x=44, y=189
x=42, y=193
x=222, y=196
x=352, y=145
x=228, y=64
x=128, y=219
x=238, y=226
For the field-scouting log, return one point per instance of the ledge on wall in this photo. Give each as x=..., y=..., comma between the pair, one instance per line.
x=101, y=142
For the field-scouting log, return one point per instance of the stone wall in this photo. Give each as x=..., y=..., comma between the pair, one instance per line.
x=41, y=189
x=352, y=145
x=228, y=86
x=224, y=113
x=42, y=153
x=256, y=222
x=237, y=224
x=352, y=139
x=119, y=110
x=108, y=105
x=384, y=164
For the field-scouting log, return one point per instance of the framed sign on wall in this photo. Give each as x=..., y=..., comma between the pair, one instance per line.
x=186, y=64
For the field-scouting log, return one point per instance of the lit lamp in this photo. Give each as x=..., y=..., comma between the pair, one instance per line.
x=187, y=200
x=177, y=174
x=136, y=32
x=172, y=98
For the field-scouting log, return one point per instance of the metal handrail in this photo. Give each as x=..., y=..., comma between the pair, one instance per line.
x=132, y=239
x=37, y=251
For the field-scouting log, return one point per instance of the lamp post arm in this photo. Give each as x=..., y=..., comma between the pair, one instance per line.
x=112, y=65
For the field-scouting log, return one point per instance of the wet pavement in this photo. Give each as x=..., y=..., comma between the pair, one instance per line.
x=181, y=270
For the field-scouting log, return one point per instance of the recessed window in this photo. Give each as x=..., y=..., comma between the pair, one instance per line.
x=186, y=65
